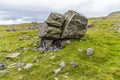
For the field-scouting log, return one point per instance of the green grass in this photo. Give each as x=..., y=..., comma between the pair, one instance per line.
x=104, y=64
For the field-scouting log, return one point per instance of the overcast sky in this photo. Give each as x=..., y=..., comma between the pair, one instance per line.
x=23, y=11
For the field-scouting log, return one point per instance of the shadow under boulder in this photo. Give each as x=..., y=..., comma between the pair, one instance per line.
x=59, y=28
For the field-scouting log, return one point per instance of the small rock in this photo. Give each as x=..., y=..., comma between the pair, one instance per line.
x=80, y=50
x=66, y=77
x=4, y=72
x=89, y=51
x=118, y=29
x=11, y=30
x=12, y=65
x=57, y=70
x=20, y=64
x=62, y=64
x=55, y=78
x=73, y=64
x=35, y=44
x=38, y=49
x=19, y=69
x=90, y=25
x=3, y=66
x=52, y=57
x=12, y=55
x=25, y=38
x=16, y=65
x=28, y=66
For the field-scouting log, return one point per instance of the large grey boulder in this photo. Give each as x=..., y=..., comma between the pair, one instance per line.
x=61, y=27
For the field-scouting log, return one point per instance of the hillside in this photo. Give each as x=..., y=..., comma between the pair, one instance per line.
x=104, y=64
x=117, y=13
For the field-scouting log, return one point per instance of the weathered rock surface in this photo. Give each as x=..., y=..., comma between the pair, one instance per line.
x=61, y=27
x=12, y=55
x=75, y=25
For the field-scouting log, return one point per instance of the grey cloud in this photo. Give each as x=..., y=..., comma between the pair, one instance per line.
x=37, y=11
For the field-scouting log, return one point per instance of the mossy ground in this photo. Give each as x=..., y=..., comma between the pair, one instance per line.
x=104, y=64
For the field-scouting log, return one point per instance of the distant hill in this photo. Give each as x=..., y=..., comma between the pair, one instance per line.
x=114, y=14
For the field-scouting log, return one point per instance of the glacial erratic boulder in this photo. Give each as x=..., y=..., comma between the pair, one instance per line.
x=59, y=28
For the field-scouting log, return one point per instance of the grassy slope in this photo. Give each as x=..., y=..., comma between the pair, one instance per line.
x=104, y=64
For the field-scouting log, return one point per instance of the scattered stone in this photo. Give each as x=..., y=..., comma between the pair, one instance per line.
x=16, y=65
x=12, y=65
x=59, y=28
x=3, y=66
x=62, y=64
x=35, y=45
x=12, y=55
x=28, y=66
x=73, y=64
x=19, y=69
x=4, y=72
x=80, y=50
x=25, y=38
x=118, y=29
x=11, y=30
x=89, y=51
x=52, y=57
x=53, y=49
x=55, y=78
x=57, y=70
x=20, y=64
x=66, y=77
x=38, y=49
x=90, y=25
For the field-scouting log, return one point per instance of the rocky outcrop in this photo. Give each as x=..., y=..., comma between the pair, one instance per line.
x=61, y=27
